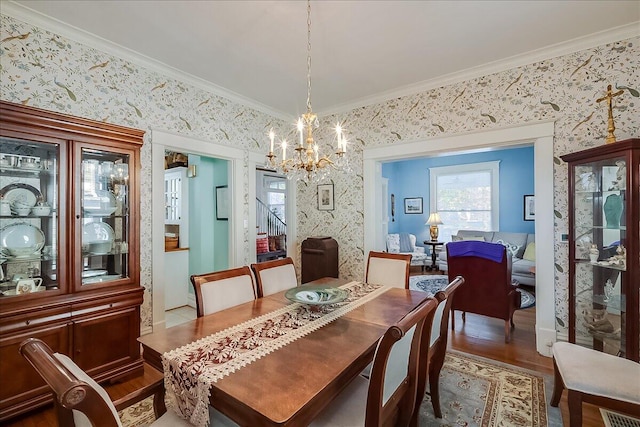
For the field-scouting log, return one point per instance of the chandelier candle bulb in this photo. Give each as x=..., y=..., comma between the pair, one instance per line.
x=300, y=129
x=284, y=150
x=272, y=135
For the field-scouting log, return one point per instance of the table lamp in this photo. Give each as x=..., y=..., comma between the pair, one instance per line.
x=433, y=222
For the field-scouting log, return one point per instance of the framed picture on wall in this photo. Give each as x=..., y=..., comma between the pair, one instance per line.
x=325, y=197
x=222, y=202
x=413, y=205
x=529, y=208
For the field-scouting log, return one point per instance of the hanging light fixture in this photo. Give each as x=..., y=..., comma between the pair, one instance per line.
x=305, y=162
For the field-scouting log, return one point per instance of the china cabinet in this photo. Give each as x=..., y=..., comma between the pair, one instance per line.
x=69, y=248
x=604, y=239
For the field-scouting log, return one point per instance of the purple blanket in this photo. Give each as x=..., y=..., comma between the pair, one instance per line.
x=490, y=251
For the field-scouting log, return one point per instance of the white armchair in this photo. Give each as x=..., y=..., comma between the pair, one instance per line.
x=418, y=254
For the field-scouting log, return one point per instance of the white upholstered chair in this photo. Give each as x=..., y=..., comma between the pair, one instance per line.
x=275, y=276
x=388, y=397
x=388, y=269
x=222, y=289
x=418, y=254
x=594, y=377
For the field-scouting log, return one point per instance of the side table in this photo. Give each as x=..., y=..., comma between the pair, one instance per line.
x=433, y=245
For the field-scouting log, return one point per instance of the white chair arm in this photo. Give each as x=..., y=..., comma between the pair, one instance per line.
x=419, y=249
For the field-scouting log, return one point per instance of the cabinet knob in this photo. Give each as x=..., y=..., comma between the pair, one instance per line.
x=77, y=216
x=27, y=322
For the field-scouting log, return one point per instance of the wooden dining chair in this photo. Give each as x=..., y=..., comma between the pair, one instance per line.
x=275, y=276
x=222, y=289
x=80, y=401
x=437, y=349
x=388, y=397
x=384, y=268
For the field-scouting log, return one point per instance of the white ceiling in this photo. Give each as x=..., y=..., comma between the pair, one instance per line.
x=362, y=51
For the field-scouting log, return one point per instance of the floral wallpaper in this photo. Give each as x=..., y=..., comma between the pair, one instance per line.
x=41, y=69
x=45, y=70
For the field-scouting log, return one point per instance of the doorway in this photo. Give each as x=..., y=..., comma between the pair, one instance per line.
x=202, y=153
x=538, y=134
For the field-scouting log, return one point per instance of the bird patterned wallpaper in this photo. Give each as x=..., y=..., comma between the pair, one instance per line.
x=45, y=70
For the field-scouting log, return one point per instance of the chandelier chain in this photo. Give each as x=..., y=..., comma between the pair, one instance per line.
x=308, y=55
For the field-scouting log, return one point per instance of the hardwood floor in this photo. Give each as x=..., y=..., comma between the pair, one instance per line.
x=480, y=335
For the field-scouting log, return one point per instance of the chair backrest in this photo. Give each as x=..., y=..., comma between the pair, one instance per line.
x=80, y=401
x=275, y=276
x=439, y=333
x=222, y=289
x=487, y=282
x=388, y=269
x=394, y=374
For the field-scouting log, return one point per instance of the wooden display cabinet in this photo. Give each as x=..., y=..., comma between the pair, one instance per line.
x=69, y=248
x=604, y=245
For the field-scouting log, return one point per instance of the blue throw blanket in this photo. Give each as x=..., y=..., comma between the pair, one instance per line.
x=490, y=251
x=405, y=243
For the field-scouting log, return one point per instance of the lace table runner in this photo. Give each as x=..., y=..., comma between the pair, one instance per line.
x=191, y=369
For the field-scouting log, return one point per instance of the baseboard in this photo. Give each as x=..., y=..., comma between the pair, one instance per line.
x=191, y=300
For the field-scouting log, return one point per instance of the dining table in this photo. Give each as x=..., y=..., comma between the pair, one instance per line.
x=290, y=385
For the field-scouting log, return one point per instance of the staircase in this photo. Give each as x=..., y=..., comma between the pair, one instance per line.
x=267, y=222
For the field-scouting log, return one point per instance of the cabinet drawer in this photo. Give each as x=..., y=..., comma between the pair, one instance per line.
x=22, y=387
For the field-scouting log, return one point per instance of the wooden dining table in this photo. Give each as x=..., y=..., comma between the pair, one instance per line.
x=290, y=386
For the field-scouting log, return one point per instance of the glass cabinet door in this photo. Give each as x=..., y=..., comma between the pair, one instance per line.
x=105, y=216
x=29, y=217
x=600, y=256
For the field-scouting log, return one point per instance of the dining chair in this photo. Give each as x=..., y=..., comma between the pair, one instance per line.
x=384, y=268
x=222, y=289
x=388, y=397
x=275, y=276
x=437, y=348
x=81, y=402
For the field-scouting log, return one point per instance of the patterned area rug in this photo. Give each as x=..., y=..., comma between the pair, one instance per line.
x=433, y=283
x=475, y=391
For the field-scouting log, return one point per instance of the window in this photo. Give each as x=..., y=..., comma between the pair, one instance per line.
x=466, y=197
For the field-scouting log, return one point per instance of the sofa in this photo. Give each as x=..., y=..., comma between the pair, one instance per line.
x=418, y=254
x=520, y=246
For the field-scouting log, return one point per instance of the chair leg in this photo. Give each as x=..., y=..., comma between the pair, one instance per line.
x=434, y=388
x=507, y=332
x=453, y=319
x=464, y=317
x=558, y=386
x=575, y=408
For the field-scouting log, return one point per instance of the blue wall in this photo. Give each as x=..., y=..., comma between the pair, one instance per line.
x=208, y=237
x=410, y=178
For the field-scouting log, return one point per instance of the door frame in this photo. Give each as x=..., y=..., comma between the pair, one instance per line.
x=540, y=134
x=162, y=140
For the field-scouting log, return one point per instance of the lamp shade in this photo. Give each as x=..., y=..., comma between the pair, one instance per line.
x=434, y=219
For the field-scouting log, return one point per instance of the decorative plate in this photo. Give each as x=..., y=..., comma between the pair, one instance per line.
x=97, y=232
x=316, y=295
x=102, y=203
x=20, y=192
x=21, y=240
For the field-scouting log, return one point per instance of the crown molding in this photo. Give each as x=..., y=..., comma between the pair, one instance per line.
x=564, y=48
x=30, y=16
x=33, y=17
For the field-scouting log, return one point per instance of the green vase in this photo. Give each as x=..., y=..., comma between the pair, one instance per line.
x=613, y=210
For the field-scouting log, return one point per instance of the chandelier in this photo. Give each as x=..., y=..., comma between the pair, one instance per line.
x=305, y=162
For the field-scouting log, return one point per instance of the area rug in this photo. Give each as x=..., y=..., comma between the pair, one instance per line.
x=475, y=391
x=433, y=283
x=139, y=414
